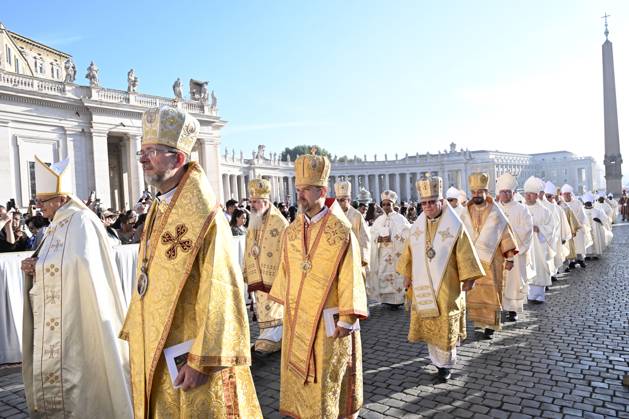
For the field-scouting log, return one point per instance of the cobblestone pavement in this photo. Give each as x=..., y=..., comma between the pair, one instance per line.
x=563, y=359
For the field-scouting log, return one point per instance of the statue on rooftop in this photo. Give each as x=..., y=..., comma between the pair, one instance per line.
x=132, y=81
x=92, y=74
x=178, y=89
x=70, y=71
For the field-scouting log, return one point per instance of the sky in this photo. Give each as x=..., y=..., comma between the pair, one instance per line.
x=362, y=77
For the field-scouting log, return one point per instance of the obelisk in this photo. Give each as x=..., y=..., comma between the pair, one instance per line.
x=613, y=159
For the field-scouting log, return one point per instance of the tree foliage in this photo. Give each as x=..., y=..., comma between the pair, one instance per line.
x=303, y=149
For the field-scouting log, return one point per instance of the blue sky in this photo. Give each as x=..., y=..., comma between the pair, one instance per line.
x=362, y=77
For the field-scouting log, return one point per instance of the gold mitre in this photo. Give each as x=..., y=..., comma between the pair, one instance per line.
x=170, y=127
x=430, y=188
x=259, y=189
x=343, y=189
x=478, y=180
x=312, y=170
x=52, y=180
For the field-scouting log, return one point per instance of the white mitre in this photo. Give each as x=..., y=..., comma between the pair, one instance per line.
x=462, y=196
x=567, y=189
x=533, y=185
x=453, y=193
x=390, y=195
x=506, y=182
x=588, y=197
x=550, y=188
x=52, y=180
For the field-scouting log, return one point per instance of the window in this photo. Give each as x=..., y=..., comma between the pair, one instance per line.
x=17, y=66
x=9, y=55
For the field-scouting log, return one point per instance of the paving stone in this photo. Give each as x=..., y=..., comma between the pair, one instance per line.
x=562, y=358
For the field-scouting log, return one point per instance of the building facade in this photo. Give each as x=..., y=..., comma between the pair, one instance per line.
x=400, y=174
x=44, y=112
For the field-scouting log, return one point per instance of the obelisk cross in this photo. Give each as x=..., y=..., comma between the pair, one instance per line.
x=606, y=30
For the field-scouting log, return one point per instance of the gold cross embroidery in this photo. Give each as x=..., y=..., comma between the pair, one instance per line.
x=56, y=245
x=52, y=296
x=176, y=241
x=417, y=233
x=445, y=234
x=53, y=350
x=51, y=270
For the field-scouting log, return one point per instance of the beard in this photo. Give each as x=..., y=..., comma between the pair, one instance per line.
x=478, y=200
x=303, y=206
x=255, y=219
x=155, y=180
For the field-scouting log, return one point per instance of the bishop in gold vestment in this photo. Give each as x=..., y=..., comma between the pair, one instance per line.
x=438, y=262
x=262, y=258
x=320, y=273
x=188, y=289
x=495, y=244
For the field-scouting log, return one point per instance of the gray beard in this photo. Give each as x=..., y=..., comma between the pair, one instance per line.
x=155, y=180
x=255, y=220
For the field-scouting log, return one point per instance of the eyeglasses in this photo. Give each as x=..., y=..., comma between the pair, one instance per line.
x=152, y=152
x=428, y=203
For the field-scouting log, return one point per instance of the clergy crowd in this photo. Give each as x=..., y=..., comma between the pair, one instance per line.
x=180, y=348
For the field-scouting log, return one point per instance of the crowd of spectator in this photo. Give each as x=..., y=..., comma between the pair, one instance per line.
x=25, y=231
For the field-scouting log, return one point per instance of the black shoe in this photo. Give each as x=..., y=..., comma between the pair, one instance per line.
x=571, y=265
x=595, y=257
x=553, y=278
x=547, y=288
x=444, y=373
x=588, y=258
x=393, y=307
x=535, y=302
x=512, y=316
x=488, y=334
x=582, y=263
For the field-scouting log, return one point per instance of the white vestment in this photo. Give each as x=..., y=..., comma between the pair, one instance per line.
x=516, y=280
x=361, y=231
x=561, y=233
x=74, y=365
x=583, y=238
x=599, y=231
x=614, y=206
x=541, y=250
x=384, y=284
x=607, y=209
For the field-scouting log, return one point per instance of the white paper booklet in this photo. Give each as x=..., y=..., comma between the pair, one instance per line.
x=176, y=357
x=330, y=317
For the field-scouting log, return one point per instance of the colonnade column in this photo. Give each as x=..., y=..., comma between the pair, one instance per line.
x=100, y=164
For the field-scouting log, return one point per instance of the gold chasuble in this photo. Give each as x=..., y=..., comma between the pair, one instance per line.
x=321, y=376
x=493, y=238
x=194, y=292
x=262, y=258
x=438, y=309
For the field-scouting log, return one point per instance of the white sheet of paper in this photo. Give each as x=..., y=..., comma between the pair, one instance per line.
x=330, y=322
x=173, y=352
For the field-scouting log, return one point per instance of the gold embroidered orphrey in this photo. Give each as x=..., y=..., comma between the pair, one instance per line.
x=177, y=241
